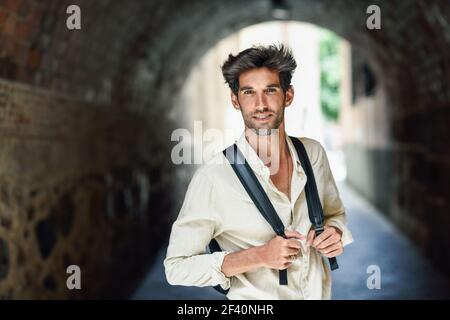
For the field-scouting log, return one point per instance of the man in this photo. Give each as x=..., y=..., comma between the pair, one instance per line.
x=217, y=206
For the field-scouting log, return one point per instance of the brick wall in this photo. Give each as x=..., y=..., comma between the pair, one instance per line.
x=75, y=189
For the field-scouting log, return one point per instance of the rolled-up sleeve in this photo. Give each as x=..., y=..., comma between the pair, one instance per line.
x=333, y=208
x=186, y=262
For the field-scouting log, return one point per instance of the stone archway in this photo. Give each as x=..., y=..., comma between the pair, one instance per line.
x=85, y=116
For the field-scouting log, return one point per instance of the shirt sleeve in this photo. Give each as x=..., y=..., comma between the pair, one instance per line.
x=186, y=262
x=333, y=208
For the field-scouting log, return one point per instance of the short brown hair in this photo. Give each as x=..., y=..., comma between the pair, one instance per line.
x=278, y=58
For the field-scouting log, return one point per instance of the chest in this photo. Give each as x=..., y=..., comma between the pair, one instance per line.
x=281, y=179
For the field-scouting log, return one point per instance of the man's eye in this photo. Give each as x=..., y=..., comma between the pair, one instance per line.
x=271, y=90
x=248, y=91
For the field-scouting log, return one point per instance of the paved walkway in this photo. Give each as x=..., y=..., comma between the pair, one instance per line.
x=405, y=273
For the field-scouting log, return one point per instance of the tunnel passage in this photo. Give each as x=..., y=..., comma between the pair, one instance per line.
x=86, y=117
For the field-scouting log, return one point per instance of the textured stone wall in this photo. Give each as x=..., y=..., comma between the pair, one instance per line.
x=74, y=189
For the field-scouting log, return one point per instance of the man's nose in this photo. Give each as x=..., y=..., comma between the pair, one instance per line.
x=261, y=102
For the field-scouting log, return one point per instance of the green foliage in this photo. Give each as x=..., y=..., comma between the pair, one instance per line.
x=330, y=75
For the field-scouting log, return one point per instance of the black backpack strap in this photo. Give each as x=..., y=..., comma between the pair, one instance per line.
x=315, y=210
x=256, y=192
x=254, y=189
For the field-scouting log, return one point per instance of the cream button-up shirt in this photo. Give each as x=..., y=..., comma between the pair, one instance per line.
x=217, y=206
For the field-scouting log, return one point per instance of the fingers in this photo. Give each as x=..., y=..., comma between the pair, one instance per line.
x=294, y=234
x=290, y=251
x=310, y=238
x=323, y=236
x=335, y=253
x=291, y=243
x=286, y=265
x=289, y=259
x=331, y=248
x=333, y=239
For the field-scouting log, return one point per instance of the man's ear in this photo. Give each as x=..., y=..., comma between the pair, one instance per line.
x=289, y=95
x=234, y=100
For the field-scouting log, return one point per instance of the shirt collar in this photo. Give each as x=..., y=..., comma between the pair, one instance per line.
x=256, y=163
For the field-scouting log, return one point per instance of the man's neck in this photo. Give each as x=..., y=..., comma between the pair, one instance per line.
x=271, y=149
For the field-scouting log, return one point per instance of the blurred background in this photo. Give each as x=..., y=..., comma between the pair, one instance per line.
x=87, y=115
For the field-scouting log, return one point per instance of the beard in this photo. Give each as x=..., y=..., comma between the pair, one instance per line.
x=266, y=128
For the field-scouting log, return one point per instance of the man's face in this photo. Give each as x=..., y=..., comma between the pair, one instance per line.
x=261, y=99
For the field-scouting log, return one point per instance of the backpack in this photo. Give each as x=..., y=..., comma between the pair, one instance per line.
x=256, y=192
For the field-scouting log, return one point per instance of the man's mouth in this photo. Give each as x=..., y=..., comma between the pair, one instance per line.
x=262, y=116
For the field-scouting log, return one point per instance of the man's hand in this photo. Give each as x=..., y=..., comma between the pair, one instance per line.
x=328, y=243
x=279, y=253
